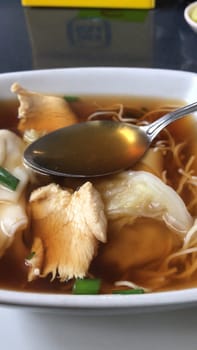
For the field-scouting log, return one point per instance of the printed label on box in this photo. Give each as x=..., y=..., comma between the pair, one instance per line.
x=89, y=33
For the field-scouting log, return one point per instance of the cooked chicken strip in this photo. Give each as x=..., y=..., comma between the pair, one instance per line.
x=66, y=229
x=42, y=113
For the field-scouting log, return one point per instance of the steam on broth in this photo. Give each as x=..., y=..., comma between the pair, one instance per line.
x=144, y=238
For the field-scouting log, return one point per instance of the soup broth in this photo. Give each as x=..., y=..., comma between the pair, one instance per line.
x=123, y=257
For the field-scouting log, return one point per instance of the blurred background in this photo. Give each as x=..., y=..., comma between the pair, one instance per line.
x=44, y=37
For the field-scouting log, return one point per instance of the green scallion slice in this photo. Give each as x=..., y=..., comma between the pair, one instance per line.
x=87, y=286
x=30, y=256
x=8, y=180
x=129, y=291
x=71, y=98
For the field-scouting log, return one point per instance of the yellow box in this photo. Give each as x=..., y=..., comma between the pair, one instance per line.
x=145, y=4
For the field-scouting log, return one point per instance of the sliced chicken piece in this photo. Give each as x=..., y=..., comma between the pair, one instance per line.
x=66, y=229
x=42, y=113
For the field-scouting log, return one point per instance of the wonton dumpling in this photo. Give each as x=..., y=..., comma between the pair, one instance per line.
x=152, y=162
x=42, y=113
x=133, y=194
x=129, y=247
x=66, y=229
x=13, y=217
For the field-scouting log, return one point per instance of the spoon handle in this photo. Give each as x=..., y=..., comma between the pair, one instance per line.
x=154, y=128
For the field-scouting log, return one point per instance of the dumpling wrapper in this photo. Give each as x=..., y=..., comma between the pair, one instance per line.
x=133, y=194
x=13, y=217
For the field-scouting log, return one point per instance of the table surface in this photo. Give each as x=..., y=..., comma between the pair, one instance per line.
x=38, y=38
x=26, y=330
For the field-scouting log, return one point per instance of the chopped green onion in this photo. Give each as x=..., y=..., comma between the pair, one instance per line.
x=129, y=291
x=8, y=180
x=30, y=256
x=71, y=98
x=87, y=286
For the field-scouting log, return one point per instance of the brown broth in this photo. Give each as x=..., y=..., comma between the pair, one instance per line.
x=13, y=272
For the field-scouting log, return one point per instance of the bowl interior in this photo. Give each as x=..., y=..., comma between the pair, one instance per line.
x=164, y=84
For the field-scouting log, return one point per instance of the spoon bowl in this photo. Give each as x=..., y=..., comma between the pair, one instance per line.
x=96, y=148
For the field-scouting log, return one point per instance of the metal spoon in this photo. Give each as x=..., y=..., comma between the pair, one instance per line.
x=96, y=148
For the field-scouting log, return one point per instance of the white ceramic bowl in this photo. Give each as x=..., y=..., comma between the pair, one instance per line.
x=104, y=81
x=187, y=14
